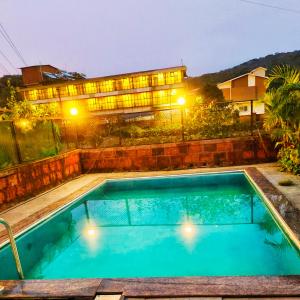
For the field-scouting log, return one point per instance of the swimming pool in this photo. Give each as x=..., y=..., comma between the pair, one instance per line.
x=187, y=225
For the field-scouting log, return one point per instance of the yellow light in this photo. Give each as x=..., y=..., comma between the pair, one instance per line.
x=181, y=101
x=74, y=111
x=173, y=92
x=91, y=231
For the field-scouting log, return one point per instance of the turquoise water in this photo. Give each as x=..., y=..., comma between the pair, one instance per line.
x=193, y=225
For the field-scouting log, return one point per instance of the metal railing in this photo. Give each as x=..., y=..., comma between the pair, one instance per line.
x=13, y=248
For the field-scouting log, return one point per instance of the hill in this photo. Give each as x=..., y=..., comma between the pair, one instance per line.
x=269, y=61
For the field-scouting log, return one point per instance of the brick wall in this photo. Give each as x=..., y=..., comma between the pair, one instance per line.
x=29, y=179
x=219, y=152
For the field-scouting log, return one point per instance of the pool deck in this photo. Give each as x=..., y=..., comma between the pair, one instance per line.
x=286, y=201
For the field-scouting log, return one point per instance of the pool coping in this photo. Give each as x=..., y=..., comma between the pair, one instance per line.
x=235, y=286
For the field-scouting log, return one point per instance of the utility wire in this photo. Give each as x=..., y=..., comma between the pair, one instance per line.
x=4, y=70
x=7, y=59
x=11, y=43
x=271, y=6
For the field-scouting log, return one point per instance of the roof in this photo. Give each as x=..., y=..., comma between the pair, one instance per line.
x=246, y=74
x=35, y=66
x=148, y=72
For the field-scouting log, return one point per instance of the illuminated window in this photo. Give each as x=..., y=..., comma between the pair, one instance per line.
x=170, y=78
x=143, y=99
x=177, y=77
x=42, y=93
x=126, y=83
x=33, y=95
x=93, y=104
x=107, y=86
x=140, y=82
x=161, y=98
x=158, y=79
x=72, y=90
x=49, y=93
x=63, y=91
x=127, y=100
x=90, y=88
x=109, y=102
x=101, y=103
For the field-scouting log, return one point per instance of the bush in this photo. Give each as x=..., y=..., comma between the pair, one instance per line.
x=289, y=158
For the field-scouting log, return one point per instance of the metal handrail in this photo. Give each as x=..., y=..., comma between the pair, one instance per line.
x=13, y=247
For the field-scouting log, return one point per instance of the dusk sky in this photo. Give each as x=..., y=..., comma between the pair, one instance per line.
x=104, y=37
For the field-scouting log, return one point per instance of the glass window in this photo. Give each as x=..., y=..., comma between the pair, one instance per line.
x=90, y=87
x=143, y=99
x=33, y=95
x=161, y=97
x=109, y=102
x=158, y=79
x=126, y=83
x=140, y=81
x=107, y=86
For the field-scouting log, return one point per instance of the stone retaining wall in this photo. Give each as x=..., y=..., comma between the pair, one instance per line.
x=32, y=178
x=205, y=153
x=27, y=180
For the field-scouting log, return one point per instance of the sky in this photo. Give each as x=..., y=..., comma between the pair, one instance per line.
x=106, y=37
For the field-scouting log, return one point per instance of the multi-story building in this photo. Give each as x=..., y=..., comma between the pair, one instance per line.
x=133, y=93
x=246, y=90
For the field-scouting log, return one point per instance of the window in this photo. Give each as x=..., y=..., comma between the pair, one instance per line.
x=126, y=83
x=107, y=86
x=33, y=95
x=72, y=90
x=142, y=99
x=127, y=100
x=109, y=102
x=243, y=108
x=161, y=97
x=90, y=88
x=158, y=79
x=170, y=78
x=94, y=104
x=140, y=82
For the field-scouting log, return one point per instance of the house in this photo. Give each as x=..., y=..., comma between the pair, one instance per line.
x=246, y=91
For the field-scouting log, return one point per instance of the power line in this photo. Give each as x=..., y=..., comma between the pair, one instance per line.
x=7, y=59
x=5, y=71
x=271, y=6
x=11, y=43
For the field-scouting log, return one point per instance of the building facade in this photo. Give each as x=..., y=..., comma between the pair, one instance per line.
x=132, y=93
x=246, y=89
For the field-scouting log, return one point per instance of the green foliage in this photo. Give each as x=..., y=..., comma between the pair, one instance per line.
x=6, y=84
x=289, y=158
x=5, y=159
x=213, y=121
x=282, y=120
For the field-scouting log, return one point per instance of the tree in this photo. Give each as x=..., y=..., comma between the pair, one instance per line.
x=282, y=104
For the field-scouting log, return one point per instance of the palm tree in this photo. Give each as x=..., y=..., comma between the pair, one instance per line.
x=282, y=104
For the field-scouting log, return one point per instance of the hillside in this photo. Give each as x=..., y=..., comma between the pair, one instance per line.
x=269, y=61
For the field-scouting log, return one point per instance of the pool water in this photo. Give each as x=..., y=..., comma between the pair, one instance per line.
x=189, y=225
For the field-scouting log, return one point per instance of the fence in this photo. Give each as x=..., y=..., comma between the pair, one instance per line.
x=25, y=141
